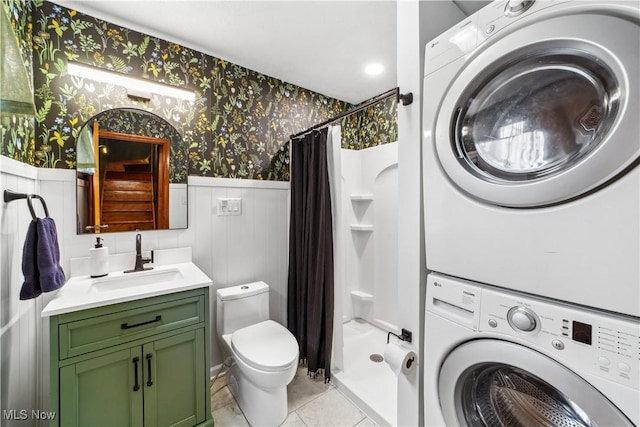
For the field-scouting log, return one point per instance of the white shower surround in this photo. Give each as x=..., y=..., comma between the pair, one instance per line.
x=365, y=201
x=370, y=255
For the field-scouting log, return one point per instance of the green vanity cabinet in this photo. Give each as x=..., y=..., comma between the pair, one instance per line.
x=139, y=363
x=173, y=375
x=99, y=391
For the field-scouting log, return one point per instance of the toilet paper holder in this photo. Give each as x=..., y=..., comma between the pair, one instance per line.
x=405, y=335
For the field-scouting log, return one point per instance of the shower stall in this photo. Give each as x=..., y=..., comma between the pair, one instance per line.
x=365, y=234
x=363, y=181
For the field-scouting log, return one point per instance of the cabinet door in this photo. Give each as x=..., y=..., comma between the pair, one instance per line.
x=103, y=391
x=175, y=380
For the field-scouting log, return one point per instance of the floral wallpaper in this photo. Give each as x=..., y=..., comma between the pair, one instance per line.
x=17, y=134
x=238, y=126
x=375, y=125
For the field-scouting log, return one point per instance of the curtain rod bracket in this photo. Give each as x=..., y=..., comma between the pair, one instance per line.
x=406, y=99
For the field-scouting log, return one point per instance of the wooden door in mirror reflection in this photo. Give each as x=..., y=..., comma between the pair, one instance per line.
x=131, y=189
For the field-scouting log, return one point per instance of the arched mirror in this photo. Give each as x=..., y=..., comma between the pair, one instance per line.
x=131, y=173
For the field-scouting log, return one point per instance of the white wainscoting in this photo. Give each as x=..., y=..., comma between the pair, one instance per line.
x=231, y=250
x=22, y=364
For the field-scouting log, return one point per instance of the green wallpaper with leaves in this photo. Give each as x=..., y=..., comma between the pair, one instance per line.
x=238, y=126
x=376, y=125
x=17, y=134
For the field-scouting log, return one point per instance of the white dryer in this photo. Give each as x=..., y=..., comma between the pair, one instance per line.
x=499, y=358
x=531, y=149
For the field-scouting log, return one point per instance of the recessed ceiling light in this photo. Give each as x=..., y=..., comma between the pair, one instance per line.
x=374, y=69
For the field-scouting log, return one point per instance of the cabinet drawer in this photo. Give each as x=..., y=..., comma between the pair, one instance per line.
x=101, y=331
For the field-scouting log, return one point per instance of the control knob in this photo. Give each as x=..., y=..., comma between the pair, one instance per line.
x=522, y=319
x=517, y=7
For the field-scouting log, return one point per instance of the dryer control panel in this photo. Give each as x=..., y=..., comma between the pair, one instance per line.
x=501, y=14
x=602, y=344
x=477, y=28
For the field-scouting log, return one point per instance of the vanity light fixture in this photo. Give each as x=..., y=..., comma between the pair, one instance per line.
x=138, y=95
x=138, y=88
x=374, y=69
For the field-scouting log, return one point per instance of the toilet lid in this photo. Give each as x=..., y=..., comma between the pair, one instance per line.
x=266, y=346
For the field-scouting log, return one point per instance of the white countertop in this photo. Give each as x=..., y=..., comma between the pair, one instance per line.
x=83, y=292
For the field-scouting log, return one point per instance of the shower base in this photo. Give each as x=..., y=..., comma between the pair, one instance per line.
x=371, y=385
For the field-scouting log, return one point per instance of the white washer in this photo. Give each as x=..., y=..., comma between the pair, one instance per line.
x=501, y=358
x=531, y=150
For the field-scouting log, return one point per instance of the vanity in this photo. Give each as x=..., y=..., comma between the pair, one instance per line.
x=132, y=349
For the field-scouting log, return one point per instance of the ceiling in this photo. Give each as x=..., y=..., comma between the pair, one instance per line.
x=323, y=46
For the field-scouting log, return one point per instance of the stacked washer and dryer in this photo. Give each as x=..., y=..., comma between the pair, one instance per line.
x=531, y=153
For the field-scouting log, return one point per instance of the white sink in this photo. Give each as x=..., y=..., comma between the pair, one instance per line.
x=134, y=279
x=82, y=292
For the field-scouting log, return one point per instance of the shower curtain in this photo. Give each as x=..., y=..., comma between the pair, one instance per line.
x=311, y=272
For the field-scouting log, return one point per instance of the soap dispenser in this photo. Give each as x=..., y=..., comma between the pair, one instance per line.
x=99, y=259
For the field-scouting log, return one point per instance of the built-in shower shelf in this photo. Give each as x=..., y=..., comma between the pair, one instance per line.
x=361, y=296
x=361, y=227
x=362, y=197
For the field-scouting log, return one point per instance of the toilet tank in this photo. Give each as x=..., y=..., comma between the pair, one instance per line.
x=240, y=306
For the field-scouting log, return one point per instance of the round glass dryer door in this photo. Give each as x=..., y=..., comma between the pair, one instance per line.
x=537, y=117
x=491, y=383
x=546, y=114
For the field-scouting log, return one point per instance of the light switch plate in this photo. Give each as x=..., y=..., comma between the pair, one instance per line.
x=229, y=206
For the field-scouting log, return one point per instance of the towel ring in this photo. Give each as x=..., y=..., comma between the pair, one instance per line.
x=10, y=196
x=33, y=212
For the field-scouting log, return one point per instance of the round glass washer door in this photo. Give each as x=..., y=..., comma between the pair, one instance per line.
x=497, y=383
x=545, y=114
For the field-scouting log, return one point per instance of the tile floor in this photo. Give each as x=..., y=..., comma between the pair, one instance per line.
x=308, y=401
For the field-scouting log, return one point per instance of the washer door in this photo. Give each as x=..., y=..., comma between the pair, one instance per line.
x=550, y=120
x=498, y=383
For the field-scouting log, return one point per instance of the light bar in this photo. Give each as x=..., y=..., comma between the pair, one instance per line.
x=131, y=83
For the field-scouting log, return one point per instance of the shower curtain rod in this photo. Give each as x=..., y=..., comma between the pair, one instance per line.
x=392, y=92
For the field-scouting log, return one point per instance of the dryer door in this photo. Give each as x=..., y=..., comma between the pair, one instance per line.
x=547, y=113
x=498, y=383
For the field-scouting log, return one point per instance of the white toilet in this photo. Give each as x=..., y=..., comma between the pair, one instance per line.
x=265, y=353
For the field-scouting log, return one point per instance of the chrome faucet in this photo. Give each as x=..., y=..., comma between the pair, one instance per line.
x=140, y=261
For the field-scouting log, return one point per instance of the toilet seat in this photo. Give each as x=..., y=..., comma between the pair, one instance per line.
x=266, y=346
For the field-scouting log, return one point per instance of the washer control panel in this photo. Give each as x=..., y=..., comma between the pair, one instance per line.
x=602, y=344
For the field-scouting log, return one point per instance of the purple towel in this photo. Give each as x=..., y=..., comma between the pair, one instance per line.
x=41, y=259
x=51, y=274
x=31, y=286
